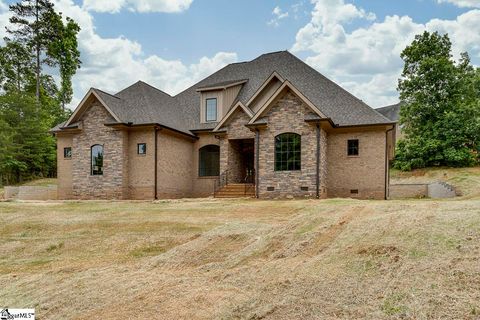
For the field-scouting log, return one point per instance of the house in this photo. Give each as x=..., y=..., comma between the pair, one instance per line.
x=392, y=112
x=272, y=127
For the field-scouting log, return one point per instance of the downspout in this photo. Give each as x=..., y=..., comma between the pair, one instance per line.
x=257, y=162
x=155, y=165
x=386, y=162
x=318, y=163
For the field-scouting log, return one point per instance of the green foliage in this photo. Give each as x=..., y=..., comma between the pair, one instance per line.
x=16, y=67
x=46, y=40
x=64, y=50
x=29, y=150
x=31, y=103
x=441, y=115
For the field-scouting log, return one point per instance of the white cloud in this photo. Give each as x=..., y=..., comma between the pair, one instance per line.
x=366, y=60
x=278, y=15
x=114, y=6
x=462, y=3
x=113, y=63
x=4, y=17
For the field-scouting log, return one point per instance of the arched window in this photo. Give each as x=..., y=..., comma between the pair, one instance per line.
x=97, y=160
x=288, y=152
x=209, y=161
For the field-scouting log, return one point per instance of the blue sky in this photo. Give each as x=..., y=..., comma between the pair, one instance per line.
x=174, y=43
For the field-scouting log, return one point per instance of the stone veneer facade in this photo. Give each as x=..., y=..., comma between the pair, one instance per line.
x=288, y=115
x=114, y=181
x=230, y=154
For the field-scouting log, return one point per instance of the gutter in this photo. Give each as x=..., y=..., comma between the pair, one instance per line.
x=131, y=125
x=387, y=175
x=338, y=126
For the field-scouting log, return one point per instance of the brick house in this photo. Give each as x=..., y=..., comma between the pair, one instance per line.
x=272, y=127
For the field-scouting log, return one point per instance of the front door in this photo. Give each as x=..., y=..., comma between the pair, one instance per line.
x=248, y=161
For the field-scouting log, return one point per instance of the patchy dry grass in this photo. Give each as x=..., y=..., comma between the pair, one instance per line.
x=241, y=259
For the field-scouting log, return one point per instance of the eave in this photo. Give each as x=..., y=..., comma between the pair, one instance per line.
x=221, y=87
x=123, y=125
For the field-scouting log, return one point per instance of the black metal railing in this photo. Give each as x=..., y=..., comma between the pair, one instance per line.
x=220, y=182
x=249, y=181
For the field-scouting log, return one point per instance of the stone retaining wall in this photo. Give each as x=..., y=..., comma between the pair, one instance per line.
x=31, y=193
x=435, y=190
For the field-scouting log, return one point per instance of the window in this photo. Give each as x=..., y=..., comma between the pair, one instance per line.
x=211, y=109
x=142, y=148
x=97, y=160
x=352, y=148
x=209, y=161
x=67, y=152
x=287, y=152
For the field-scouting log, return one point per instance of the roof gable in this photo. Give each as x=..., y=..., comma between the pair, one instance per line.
x=230, y=113
x=101, y=96
x=269, y=103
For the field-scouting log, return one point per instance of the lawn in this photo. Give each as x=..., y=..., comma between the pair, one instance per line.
x=242, y=259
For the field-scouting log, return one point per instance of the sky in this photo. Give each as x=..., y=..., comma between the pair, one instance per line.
x=172, y=44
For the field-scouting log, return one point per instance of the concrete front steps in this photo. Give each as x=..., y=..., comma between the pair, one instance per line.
x=236, y=190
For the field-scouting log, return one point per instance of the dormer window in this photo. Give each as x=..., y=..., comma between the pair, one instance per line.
x=211, y=109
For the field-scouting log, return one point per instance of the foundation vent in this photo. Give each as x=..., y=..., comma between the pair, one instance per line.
x=354, y=191
x=304, y=188
x=270, y=189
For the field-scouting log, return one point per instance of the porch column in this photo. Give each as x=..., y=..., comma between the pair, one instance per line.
x=224, y=146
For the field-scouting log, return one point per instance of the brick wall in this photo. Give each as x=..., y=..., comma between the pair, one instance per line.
x=203, y=186
x=64, y=167
x=175, y=165
x=365, y=172
x=141, y=168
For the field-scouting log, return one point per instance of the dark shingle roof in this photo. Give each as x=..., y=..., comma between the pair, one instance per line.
x=332, y=100
x=142, y=103
x=391, y=112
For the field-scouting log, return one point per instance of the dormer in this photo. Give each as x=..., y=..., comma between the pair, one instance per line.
x=216, y=99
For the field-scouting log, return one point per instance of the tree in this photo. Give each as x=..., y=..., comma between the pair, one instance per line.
x=16, y=67
x=29, y=150
x=31, y=101
x=441, y=115
x=64, y=51
x=32, y=30
x=38, y=28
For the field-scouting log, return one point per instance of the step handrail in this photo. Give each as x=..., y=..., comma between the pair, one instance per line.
x=220, y=182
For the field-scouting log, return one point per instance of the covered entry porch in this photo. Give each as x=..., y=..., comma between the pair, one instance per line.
x=237, y=169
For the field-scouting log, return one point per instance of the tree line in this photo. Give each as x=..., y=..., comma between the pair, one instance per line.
x=40, y=45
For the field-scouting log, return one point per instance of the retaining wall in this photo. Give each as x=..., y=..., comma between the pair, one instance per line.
x=31, y=193
x=435, y=190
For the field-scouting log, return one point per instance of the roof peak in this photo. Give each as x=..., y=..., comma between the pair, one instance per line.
x=144, y=84
x=112, y=95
